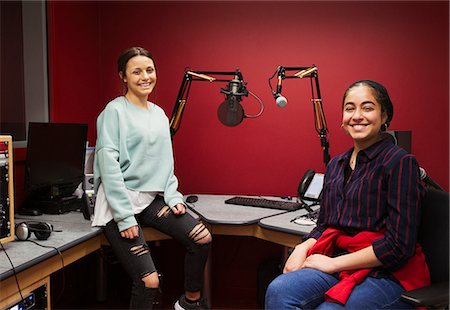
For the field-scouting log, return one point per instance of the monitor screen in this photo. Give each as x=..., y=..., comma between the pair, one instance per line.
x=55, y=159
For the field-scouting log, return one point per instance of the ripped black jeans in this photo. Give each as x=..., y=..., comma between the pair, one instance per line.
x=135, y=256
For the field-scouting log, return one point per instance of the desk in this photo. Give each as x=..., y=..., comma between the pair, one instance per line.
x=78, y=239
x=283, y=222
x=34, y=263
x=267, y=224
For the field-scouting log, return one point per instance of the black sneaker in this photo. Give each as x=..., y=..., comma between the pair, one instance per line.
x=183, y=304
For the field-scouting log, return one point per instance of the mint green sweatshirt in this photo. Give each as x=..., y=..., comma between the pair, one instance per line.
x=133, y=151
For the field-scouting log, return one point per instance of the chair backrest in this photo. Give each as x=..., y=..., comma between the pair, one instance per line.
x=434, y=233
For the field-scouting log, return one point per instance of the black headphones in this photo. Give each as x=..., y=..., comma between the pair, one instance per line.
x=41, y=230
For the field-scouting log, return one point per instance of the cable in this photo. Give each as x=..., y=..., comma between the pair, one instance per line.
x=14, y=269
x=14, y=272
x=261, y=105
x=62, y=265
x=50, y=247
x=270, y=83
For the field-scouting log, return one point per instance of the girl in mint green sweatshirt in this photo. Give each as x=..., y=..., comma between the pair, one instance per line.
x=136, y=186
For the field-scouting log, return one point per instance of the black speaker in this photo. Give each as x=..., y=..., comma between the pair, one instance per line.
x=41, y=230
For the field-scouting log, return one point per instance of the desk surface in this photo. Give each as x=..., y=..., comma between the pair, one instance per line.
x=284, y=222
x=23, y=254
x=214, y=210
x=78, y=238
x=75, y=229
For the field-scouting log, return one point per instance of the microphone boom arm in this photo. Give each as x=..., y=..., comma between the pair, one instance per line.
x=183, y=93
x=320, y=122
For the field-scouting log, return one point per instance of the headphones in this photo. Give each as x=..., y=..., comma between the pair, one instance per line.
x=41, y=230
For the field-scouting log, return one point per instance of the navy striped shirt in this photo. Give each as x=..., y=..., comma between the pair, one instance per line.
x=382, y=193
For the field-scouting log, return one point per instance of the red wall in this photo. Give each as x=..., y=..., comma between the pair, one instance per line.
x=403, y=45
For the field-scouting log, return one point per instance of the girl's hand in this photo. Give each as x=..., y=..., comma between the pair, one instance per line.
x=130, y=233
x=179, y=209
x=295, y=260
x=298, y=256
x=321, y=262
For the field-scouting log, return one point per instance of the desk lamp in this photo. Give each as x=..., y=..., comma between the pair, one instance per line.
x=320, y=122
x=230, y=111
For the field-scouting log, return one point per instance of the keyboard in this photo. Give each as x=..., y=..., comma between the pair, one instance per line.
x=265, y=203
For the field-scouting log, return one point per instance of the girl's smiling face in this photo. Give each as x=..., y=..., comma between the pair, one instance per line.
x=140, y=76
x=362, y=116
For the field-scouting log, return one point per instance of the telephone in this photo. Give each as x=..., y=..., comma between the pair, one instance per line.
x=309, y=192
x=310, y=186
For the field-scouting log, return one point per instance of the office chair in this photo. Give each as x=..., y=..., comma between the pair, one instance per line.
x=434, y=238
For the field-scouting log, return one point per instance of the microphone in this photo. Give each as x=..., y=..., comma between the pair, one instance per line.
x=280, y=100
x=427, y=180
x=230, y=112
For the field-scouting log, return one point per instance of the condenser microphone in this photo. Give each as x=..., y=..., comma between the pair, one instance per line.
x=280, y=100
x=230, y=111
x=427, y=180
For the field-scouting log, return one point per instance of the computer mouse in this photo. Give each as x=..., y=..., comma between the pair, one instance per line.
x=192, y=198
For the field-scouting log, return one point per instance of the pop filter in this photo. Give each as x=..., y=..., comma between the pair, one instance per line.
x=230, y=112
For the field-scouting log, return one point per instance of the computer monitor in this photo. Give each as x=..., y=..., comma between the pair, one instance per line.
x=54, y=164
x=402, y=138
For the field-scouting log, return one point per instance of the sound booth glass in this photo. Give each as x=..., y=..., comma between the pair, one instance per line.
x=55, y=160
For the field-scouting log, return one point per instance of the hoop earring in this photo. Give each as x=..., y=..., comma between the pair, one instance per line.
x=384, y=127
